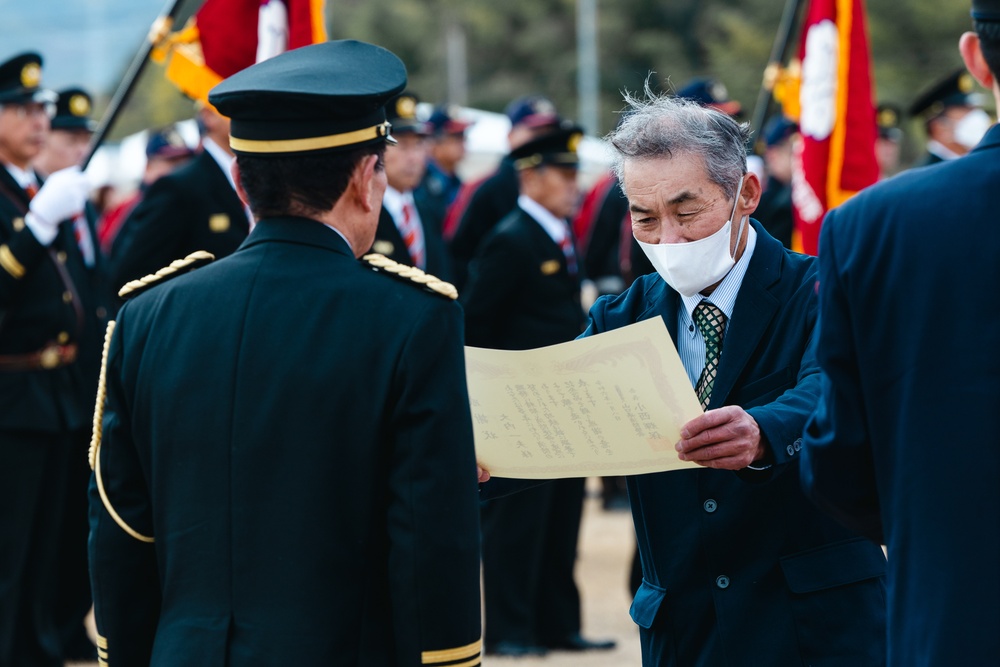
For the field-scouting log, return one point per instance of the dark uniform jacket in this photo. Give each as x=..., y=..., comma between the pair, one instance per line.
x=520, y=293
x=46, y=301
x=489, y=204
x=194, y=208
x=903, y=445
x=740, y=569
x=389, y=242
x=293, y=430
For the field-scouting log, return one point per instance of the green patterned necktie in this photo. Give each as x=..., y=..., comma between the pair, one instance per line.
x=712, y=323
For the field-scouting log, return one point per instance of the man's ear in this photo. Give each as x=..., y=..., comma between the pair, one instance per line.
x=240, y=192
x=972, y=56
x=750, y=194
x=363, y=183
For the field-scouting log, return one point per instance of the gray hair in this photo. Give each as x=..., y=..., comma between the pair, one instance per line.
x=661, y=126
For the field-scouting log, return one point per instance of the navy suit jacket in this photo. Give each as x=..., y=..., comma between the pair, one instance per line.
x=903, y=445
x=520, y=293
x=739, y=569
x=293, y=429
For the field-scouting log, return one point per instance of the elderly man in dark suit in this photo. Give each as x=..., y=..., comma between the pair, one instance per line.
x=738, y=568
x=902, y=446
x=285, y=475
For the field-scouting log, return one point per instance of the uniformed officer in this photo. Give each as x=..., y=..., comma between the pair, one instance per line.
x=482, y=204
x=951, y=112
x=409, y=226
x=889, y=139
x=193, y=208
x=445, y=151
x=285, y=469
x=46, y=400
x=66, y=145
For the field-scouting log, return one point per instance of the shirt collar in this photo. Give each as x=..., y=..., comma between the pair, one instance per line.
x=393, y=200
x=942, y=151
x=553, y=226
x=24, y=177
x=222, y=158
x=724, y=296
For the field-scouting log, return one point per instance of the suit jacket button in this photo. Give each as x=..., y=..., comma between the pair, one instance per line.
x=722, y=581
x=710, y=505
x=797, y=444
x=791, y=450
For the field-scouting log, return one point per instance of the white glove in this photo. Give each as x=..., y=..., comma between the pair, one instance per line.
x=63, y=196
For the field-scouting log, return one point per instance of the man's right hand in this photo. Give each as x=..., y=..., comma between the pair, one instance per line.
x=63, y=196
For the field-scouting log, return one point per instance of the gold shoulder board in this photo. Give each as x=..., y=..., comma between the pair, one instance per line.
x=381, y=263
x=176, y=268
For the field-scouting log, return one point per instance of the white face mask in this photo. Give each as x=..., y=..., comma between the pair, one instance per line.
x=691, y=267
x=971, y=128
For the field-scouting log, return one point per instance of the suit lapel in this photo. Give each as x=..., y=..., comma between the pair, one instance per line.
x=662, y=302
x=754, y=309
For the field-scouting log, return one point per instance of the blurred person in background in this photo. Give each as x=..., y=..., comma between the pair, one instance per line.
x=166, y=151
x=445, y=150
x=888, y=140
x=66, y=146
x=953, y=116
x=409, y=225
x=46, y=320
x=193, y=208
x=775, y=208
x=482, y=204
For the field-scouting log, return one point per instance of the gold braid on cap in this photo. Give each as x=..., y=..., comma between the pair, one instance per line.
x=412, y=274
x=95, y=441
x=176, y=268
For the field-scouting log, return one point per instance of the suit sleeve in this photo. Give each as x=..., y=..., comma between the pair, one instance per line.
x=123, y=569
x=433, y=507
x=149, y=238
x=837, y=467
x=20, y=255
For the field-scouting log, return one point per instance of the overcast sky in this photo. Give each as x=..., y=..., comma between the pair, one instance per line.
x=82, y=42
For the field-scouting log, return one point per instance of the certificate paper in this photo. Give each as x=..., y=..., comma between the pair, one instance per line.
x=610, y=404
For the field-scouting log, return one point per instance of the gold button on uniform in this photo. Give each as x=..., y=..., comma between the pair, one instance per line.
x=219, y=223
x=18, y=224
x=67, y=297
x=61, y=256
x=63, y=338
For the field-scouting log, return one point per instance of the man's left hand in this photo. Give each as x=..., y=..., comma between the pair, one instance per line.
x=727, y=438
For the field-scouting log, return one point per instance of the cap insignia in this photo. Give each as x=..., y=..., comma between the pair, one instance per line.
x=79, y=105
x=965, y=83
x=573, y=142
x=31, y=75
x=406, y=107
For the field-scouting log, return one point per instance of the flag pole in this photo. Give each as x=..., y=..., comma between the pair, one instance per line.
x=779, y=52
x=162, y=23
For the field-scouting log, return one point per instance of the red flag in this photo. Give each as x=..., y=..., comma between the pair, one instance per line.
x=836, y=157
x=226, y=36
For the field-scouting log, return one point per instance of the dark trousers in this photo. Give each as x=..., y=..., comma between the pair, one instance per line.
x=33, y=486
x=529, y=553
x=73, y=576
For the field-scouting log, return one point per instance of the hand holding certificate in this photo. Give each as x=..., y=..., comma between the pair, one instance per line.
x=610, y=404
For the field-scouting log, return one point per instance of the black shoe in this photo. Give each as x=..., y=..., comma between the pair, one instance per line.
x=514, y=649
x=580, y=643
